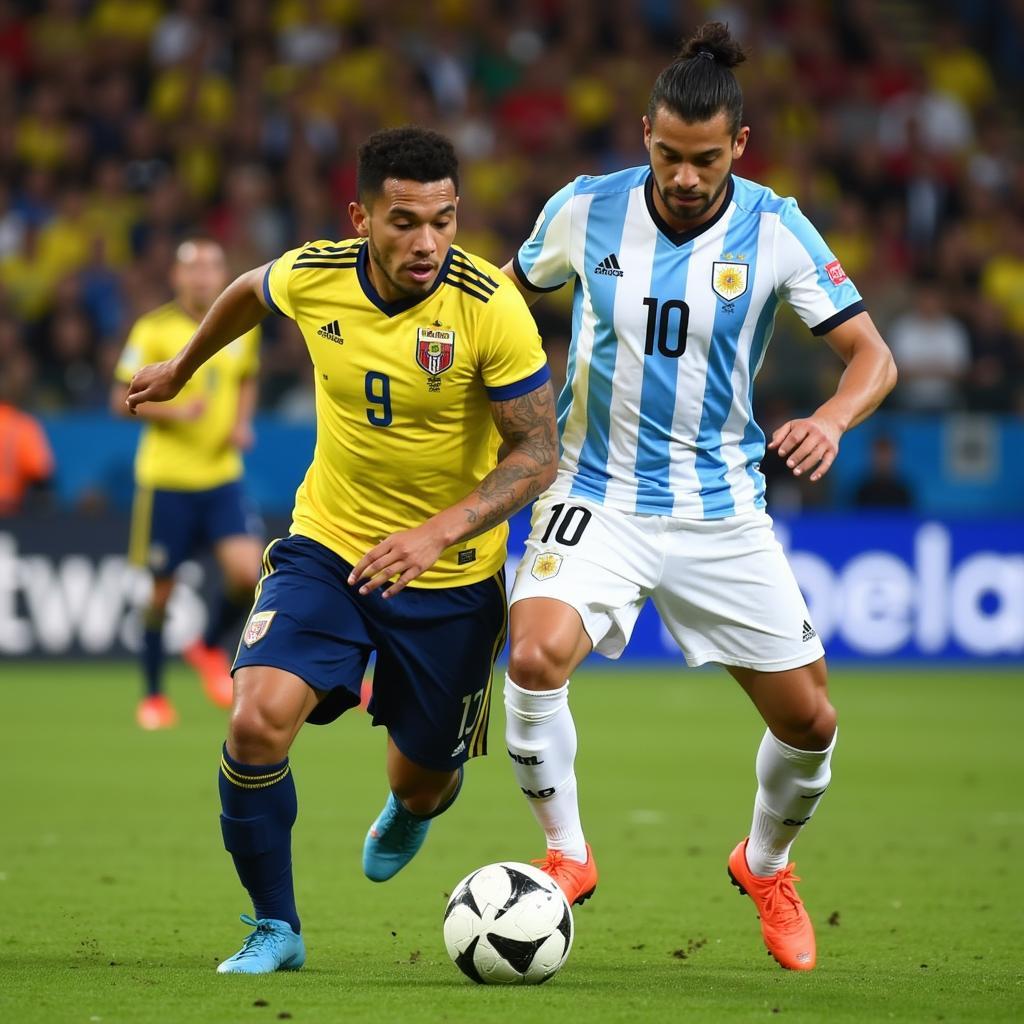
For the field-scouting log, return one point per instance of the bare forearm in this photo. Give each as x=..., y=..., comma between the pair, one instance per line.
x=513, y=483
x=868, y=378
x=236, y=310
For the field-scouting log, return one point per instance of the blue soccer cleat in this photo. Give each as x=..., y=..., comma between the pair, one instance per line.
x=397, y=834
x=273, y=946
x=393, y=840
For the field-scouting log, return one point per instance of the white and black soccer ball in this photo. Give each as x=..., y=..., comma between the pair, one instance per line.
x=508, y=924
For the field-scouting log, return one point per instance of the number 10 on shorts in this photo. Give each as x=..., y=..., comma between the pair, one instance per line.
x=568, y=528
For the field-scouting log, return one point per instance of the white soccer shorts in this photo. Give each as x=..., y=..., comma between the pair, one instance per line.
x=722, y=587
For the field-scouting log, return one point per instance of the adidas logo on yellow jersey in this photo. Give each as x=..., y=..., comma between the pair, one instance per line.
x=332, y=332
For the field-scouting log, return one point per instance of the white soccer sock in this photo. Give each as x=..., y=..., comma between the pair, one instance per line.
x=790, y=786
x=541, y=740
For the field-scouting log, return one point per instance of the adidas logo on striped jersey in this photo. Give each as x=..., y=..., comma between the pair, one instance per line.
x=610, y=266
x=332, y=332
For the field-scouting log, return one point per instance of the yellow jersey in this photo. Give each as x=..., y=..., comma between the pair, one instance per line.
x=403, y=393
x=192, y=455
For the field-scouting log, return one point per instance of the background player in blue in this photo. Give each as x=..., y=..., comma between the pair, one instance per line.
x=425, y=360
x=679, y=267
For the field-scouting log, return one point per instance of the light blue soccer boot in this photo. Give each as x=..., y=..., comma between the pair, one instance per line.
x=273, y=946
x=396, y=836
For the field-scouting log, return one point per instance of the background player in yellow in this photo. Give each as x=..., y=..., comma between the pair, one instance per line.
x=188, y=472
x=425, y=359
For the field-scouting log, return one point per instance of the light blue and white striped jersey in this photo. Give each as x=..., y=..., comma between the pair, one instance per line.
x=668, y=332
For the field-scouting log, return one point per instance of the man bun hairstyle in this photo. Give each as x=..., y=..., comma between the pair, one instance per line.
x=410, y=153
x=699, y=82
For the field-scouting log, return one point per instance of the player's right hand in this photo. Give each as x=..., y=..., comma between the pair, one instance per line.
x=405, y=555
x=157, y=382
x=808, y=445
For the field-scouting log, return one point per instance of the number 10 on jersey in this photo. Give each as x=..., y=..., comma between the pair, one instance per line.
x=667, y=323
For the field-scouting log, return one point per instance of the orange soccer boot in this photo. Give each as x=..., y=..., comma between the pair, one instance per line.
x=214, y=670
x=156, y=712
x=787, y=930
x=577, y=880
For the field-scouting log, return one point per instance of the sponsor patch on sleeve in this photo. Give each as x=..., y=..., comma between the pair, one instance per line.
x=835, y=272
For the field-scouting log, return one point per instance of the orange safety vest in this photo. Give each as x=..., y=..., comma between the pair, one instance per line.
x=25, y=457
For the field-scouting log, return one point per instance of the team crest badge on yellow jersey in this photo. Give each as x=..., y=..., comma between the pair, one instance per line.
x=435, y=349
x=729, y=280
x=257, y=626
x=546, y=565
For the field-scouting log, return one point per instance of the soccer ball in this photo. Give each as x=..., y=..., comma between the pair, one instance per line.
x=508, y=924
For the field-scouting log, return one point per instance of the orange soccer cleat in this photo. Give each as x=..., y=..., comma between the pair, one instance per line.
x=577, y=880
x=214, y=670
x=787, y=930
x=156, y=712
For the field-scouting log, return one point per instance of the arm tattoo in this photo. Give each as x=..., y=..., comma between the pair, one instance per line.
x=527, y=426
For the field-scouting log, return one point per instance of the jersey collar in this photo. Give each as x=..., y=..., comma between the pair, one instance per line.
x=399, y=305
x=680, y=237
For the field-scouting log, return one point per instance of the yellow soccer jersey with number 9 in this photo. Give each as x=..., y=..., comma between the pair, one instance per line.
x=403, y=393
x=192, y=455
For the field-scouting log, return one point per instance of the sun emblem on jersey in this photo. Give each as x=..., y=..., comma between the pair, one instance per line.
x=545, y=566
x=729, y=280
x=435, y=349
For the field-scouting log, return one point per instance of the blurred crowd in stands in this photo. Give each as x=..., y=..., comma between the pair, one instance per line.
x=125, y=124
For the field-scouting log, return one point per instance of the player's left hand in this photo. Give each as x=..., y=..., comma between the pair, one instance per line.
x=406, y=554
x=808, y=446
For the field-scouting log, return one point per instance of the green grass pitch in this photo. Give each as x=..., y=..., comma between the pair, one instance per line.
x=117, y=899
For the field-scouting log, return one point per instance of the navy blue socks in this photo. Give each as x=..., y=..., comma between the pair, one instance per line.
x=259, y=807
x=153, y=653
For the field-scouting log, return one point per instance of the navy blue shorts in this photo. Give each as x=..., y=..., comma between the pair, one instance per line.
x=435, y=649
x=169, y=527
